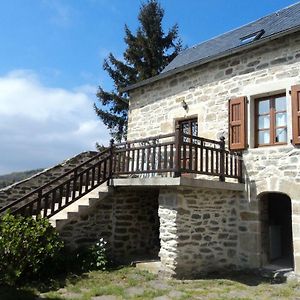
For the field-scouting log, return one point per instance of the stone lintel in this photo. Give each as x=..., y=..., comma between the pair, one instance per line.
x=175, y=182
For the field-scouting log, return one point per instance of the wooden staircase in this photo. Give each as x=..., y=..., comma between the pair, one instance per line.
x=69, y=193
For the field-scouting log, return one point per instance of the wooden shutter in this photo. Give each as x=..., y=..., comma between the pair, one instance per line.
x=237, y=124
x=296, y=114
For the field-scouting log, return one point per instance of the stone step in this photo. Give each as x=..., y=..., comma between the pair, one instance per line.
x=72, y=207
x=79, y=206
x=93, y=193
x=150, y=266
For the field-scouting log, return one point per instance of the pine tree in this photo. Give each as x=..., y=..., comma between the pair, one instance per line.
x=147, y=53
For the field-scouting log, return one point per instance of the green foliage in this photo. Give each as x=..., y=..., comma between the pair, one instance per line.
x=93, y=257
x=26, y=246
x=100, y=147
x=147, y=53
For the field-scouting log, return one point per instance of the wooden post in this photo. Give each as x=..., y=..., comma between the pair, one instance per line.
x=178, y=142
x=240, y=167
x=74, y=184
x=39, y=202
x=111, y=154
x=222, y=159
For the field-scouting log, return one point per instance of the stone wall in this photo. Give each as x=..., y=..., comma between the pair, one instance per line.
x=268, y=69
x=127, y=219
x=200, y=231
x=19, y=189
x=296, y=233
x=207, y=88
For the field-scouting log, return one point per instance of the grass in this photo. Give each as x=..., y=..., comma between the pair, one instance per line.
x=130, y=283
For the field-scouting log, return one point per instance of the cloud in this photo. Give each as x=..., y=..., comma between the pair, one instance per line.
x=41, y=126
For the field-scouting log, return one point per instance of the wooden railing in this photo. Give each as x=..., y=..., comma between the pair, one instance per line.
x=169, y=155
x=174, y=154
x=145, y=156
x=57, y=194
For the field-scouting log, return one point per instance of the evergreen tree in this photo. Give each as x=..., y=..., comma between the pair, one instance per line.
x=147, y=53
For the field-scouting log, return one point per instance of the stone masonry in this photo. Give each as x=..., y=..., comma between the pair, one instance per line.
x=271, y=68
x=199, y=231
x=127, y=219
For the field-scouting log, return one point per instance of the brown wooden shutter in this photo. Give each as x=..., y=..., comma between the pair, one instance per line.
x=237, y=123
x=296, y=114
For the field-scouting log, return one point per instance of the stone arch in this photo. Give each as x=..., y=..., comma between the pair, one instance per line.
x=274, y=184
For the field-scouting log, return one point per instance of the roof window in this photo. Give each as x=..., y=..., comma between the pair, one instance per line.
x=252, y=37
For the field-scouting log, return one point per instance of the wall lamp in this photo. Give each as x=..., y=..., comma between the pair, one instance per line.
x=184, y=105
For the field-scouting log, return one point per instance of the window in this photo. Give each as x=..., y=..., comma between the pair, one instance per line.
x=271, y=121
x=252, y=37
x=190, y=127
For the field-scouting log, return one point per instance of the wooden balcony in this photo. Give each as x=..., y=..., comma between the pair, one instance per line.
x=170, y=155
x=174, y=154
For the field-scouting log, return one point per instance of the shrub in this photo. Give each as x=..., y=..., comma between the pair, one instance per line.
x=26, y=245
x=93, y=257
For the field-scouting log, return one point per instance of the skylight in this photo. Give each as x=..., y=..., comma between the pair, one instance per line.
x=252, y=37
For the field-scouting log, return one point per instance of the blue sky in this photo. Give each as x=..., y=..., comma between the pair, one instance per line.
x=51, y=55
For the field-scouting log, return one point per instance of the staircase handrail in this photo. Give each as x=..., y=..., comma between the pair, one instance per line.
x=13, y=203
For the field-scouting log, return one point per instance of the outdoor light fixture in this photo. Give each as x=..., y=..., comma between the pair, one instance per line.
x=184, y=105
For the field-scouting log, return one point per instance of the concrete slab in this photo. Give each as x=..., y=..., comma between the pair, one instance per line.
x=150, y=266
x=176, y=182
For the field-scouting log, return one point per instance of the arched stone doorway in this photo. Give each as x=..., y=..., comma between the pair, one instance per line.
x=276, y=230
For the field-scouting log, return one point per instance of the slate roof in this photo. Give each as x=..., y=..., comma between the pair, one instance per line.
x=274, y=23
x=277, y=24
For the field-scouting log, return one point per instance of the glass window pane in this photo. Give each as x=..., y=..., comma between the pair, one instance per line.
x=281, y=135
x=263, y=106
x=281, y=119
x=264, y=137
x=194, y=128
x=185, y=128
x=263, y=122
x=280, y=103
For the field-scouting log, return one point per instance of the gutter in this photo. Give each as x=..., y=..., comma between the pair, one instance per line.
x=209, y=59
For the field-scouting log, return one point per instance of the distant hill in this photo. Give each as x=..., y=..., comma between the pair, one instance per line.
x=11, y=178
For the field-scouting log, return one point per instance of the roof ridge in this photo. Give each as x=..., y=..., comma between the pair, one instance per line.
x=280, y=23
x=237, y=28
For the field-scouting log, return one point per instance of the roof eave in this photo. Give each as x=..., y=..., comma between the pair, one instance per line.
x=209, y=59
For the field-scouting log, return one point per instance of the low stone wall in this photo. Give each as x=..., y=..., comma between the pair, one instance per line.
x=192, y=230
x=19, y=189
x=199, y=230
x=126, y=219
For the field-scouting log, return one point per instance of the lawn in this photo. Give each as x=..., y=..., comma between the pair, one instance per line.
x=130, y=283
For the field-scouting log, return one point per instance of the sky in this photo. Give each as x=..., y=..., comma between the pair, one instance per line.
x=51, y=56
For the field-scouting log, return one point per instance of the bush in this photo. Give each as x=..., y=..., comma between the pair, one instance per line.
x=26, y=245
x=93, y=257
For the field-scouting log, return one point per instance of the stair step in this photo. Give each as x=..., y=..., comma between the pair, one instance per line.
x=150, y=266
x=74, y=206
x=60, y=218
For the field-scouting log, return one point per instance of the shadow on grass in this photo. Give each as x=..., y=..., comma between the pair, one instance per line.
x=13, y=293
x=250, y=278
x=31, y=289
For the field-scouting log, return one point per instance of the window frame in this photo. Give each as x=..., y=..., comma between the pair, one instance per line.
x=272, y=113
x=188, y=120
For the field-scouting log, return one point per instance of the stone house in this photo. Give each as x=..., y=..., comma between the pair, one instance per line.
x=209, y=178
x=243, y=85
